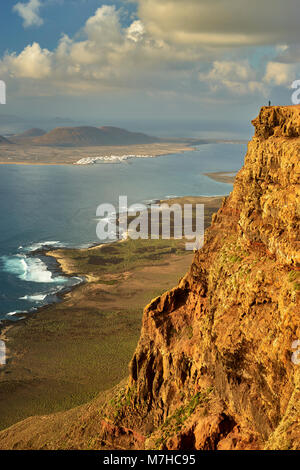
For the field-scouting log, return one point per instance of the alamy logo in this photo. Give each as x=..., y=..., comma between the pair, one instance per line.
x=152, y=222
x=296, y=94
x=2, y=92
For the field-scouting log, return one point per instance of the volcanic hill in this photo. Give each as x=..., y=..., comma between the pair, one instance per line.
x=34, y=132
x=84, y=136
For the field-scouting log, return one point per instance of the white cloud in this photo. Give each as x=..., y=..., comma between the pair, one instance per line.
x=107, y=56
x=222, y=23
x=283, y=69
x=104, y=26
x=230, y=70
x=29, y=12
x=237, y=77
x=136, y=31
x=278, y=73
x=288, y=54
x=33, y=62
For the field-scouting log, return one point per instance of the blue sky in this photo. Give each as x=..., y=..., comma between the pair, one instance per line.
x=59, y=16
x=172, y=62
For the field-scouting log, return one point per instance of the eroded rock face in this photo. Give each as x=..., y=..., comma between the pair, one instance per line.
x=277, y=121
x=213, y=366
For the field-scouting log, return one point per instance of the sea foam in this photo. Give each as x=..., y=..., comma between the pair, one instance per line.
x=30, y=269
x=41, y=245
x=11, y=314
x=34, y=297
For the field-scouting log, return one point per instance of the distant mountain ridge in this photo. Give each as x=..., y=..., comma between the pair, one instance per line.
x=34, y=132
x=91, y=136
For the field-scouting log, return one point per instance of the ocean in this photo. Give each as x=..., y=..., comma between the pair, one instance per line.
x=55, y=206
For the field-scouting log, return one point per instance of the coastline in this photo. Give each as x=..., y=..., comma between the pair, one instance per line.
x=42, y=155
x=222, y=176
x=60, y=346
x=34, y=163
x=67, y=269
x=15, y=154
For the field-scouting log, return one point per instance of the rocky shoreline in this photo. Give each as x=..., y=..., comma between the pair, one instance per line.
x=52, y=325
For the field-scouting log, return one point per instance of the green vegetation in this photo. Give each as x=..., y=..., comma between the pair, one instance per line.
x=190, y=332
x=293, y=278
x=176, y=421
x=293, y=275
x=121, y=401
x=123, y=256
x=235, y=259
x=65, y=354
x=233, y=253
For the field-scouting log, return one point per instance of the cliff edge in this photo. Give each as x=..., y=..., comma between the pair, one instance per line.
x=228, y=328
x=216, y=366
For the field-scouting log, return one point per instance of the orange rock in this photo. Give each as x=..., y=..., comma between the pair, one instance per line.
x=232, y=320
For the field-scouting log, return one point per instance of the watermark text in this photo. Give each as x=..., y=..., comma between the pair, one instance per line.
x=140, y=221
x=2, y=92
x=296, y=94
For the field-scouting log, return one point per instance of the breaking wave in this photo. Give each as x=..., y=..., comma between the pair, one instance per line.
x=41, y=245
x=30, y=269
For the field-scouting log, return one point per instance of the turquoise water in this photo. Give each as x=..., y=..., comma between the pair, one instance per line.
x=56, y=206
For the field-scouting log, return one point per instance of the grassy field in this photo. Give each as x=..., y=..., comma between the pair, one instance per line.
x=66, y=353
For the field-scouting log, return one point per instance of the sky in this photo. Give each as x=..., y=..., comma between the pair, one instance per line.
x=174, y=67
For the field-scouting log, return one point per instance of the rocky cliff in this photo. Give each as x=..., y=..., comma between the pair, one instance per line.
x=213, y=368
x=216, y=363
